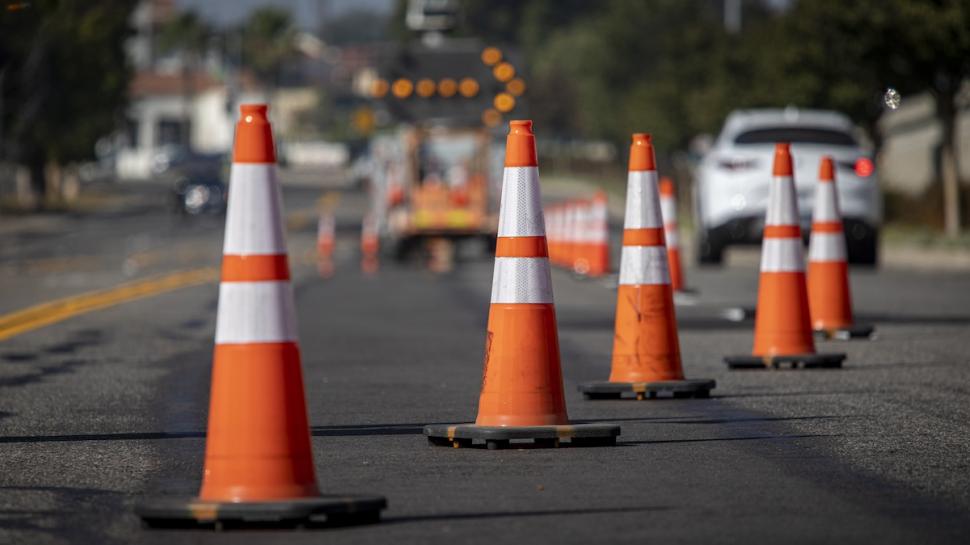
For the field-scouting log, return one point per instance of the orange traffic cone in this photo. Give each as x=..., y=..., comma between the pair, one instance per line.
x=668, y=208
x=829, y=300
x=258, y=460
x=369, y=245
x=582, y=238
x=549, y=213
x=646, y=350
x=577, y=256
x=782, y=329
x=522, y=392
x=599, y=236
x=326, y=243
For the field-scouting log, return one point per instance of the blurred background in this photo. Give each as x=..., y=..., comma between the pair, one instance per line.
x=398, y=95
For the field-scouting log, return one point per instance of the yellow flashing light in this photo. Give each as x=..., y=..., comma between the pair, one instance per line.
x=402, y=88
x=491, y=55
x=503, y=72
x=468, y=87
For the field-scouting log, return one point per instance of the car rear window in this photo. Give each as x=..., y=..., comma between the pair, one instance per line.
x=797, y=135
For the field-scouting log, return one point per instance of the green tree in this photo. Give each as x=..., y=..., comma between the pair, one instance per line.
x=843, y=55
x=267, y=41
x=65, y=80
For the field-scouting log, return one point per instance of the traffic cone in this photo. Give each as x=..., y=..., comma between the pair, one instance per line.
x=668, y=208
x=369, y=244
x=646, y=350
x=550, y=214
x=326, y=243
x=258, y=459
x=522, y=391
x=829, y=299
x=782, y=329
x=575, y=237
x=599, y=236
x=582, y=238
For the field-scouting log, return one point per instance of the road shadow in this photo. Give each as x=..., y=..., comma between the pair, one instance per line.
x=72, y=513
x=42, y=373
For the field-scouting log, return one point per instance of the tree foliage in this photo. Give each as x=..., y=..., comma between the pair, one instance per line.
x=65, y=78
x=267, y=41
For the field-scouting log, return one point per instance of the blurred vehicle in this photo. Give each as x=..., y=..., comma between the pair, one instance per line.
x=172, y=159
x=440, y=188
x=731, y=191
x=199, y=191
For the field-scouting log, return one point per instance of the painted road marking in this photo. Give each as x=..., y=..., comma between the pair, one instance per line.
x=59, y=310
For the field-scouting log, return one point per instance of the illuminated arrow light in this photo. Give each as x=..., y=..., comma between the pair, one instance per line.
x=447, y=87
x=425, y=88
x=504, y=102
x=468, y=87
x=402, y=88
x=516, y=87
x=491, y=118
x=503, y=72
x=491, y=55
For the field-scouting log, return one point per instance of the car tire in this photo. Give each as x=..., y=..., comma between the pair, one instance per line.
x=864, y=252
x=709, y=250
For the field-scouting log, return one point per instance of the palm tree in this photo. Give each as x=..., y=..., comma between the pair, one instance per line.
x=267, y=41
x=189, y=35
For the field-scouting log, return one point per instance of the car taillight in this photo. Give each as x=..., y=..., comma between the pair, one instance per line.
x=864, y=167
x=728, y=163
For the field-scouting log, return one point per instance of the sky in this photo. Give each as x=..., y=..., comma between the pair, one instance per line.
x=306, y=13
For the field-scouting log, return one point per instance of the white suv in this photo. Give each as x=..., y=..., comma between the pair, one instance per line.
x=731, y=189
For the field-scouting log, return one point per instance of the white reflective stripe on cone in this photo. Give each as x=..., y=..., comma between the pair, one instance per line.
x=253, y=220
x=326, y=226
x=782, y=208
x=521, y=280
x=668, y=209
x=827, y=247
x=644, y=265
x=601, y=226
x=587, y=232
x=642, y=208
x=826, y=203
x=521, y=208
x=255, y=312
x=782, y=255
x=671, y=237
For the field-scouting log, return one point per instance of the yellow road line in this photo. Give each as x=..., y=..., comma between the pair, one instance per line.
x=52, y=312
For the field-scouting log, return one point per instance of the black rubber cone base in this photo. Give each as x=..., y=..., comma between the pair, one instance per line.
x=499, y=437
x=795, y=361
x=677, y=389
x=847, y=333
x=304, y=512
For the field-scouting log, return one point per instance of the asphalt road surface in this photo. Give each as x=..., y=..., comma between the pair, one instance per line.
x=107, y=407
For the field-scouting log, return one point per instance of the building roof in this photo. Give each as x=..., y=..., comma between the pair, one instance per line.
x=148, y=83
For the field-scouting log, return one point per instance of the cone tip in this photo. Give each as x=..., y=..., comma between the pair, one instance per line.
x=251, y=112
x=782, y=165
x=254, y=137
x=520, y=126
x=826, y=169
x=520, y=147
x=641, y=153
x=666, y=186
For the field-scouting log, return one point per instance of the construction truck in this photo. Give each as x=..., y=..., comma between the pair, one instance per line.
x=436, y=174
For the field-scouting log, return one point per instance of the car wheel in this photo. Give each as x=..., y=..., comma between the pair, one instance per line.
x=864, y=251
x=709, y=250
